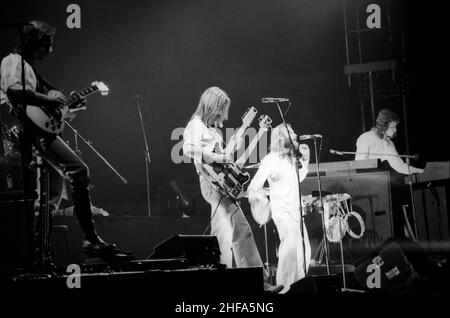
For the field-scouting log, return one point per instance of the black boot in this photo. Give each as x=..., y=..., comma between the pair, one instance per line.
x=96, y=247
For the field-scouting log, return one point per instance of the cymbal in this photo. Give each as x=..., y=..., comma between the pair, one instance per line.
x=340, y=197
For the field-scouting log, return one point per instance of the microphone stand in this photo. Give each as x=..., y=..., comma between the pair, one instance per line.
x=411, y=193
x=146, y=153
x=324, y=234
x=341, y=153
x=96, y=152
x=294, y=153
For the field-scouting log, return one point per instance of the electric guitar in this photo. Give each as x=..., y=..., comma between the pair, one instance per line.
x=51, y=119
x=228, y=178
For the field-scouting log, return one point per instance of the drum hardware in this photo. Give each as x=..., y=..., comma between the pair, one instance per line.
x=337, y=209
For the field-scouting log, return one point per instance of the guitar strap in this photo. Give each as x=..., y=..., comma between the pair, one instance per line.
x=43, y=86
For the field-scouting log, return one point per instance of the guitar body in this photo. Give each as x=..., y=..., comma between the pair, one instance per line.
x=228, y=177
x=51, y=119
x=261, y=210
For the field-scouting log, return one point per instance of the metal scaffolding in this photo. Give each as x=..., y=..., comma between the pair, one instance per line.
x=376, y=60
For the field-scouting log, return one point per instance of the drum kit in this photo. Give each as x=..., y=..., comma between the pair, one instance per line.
x=337, y=212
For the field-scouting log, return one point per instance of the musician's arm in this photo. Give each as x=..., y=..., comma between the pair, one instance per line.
x=255, y=189
x=11, y=73
x=362, y=148
x=303, y=171
x=16, y=96
x=234, y=144
x=398, y=164
x=304, y=160
x=192, y=146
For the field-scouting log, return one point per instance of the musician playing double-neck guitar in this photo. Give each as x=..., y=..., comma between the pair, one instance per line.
x=228, y=223
x=36, y=44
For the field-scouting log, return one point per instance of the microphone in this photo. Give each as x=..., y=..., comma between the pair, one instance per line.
x=266, y=100
x=305, y=137
x=336, y=152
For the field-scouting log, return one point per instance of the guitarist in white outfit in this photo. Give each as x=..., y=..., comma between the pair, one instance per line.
x=228, y=223
x=36, y=44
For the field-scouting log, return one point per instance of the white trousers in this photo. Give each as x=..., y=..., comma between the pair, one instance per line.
x=290, y=253
x=231, y=228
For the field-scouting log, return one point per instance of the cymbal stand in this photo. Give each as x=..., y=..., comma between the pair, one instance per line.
x=324, y=247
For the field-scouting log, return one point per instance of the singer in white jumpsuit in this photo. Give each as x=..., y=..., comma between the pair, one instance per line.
x=279, y=170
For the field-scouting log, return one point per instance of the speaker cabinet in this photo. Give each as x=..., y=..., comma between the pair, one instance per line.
x=316, y=284
x=196, y=249
x=401, y=264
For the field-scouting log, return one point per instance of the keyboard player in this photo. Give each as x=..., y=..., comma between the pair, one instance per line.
x=377, y=143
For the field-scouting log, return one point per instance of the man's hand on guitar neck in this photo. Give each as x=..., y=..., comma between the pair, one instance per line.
x=238, y=144
x=82, y=102
x=218, y=157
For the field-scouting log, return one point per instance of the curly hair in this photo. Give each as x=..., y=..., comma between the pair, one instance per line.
x=35, y=33
x=385, y=117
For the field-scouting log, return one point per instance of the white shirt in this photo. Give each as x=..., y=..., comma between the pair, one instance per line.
x=11, y=73
x=199, y=138
x=284, y=196
x=370, y=146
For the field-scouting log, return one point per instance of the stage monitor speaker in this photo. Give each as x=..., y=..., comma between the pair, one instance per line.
x=316, y=284
x=196, y=249
x=394, y=261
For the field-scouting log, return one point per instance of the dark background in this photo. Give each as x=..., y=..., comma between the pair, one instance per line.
x=169, y=52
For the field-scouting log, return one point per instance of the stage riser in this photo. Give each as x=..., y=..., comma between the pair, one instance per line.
x=208, y=282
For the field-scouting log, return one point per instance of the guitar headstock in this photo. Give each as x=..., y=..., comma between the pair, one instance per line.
x=265, y=122
x=104, y=90
x=248, y=117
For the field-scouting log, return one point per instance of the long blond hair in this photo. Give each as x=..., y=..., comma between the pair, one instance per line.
x=213, y=106
x=279, y=141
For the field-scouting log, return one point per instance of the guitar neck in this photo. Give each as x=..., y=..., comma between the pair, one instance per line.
x=229, y=149
x=244, y=157
x=73, y=100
